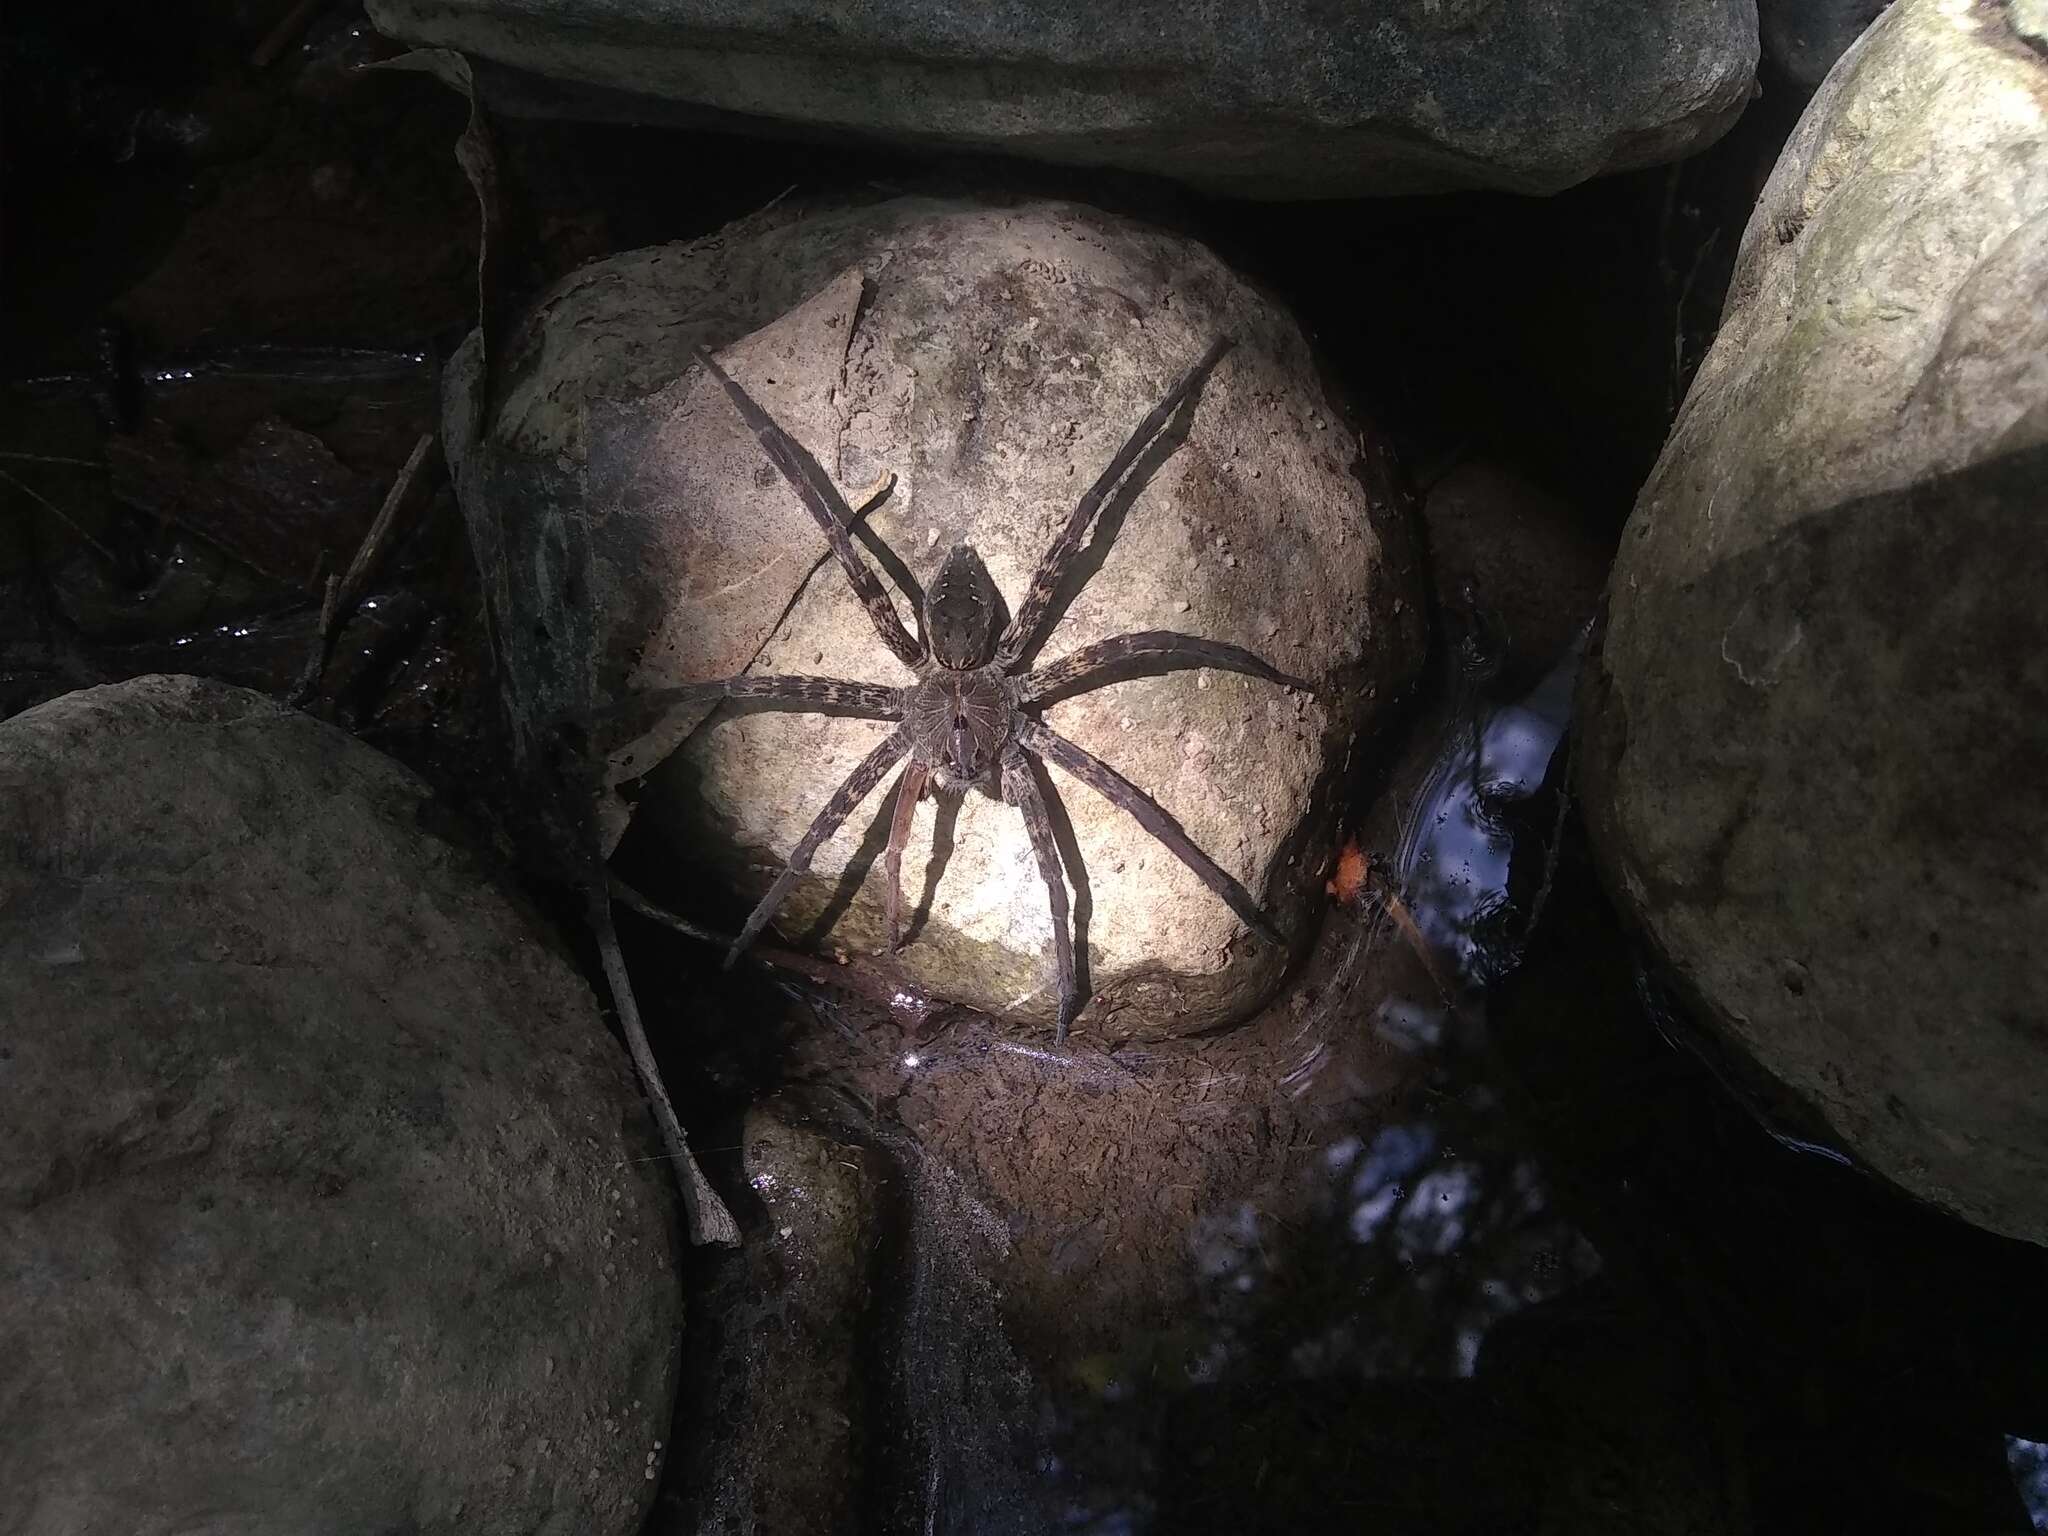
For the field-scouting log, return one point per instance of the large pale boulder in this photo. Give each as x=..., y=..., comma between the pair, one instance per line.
x=993, y=358
x=1817, y=726
x=1297, y=99
x=326, y=1202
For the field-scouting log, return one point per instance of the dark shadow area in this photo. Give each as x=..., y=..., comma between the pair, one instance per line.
x=945, y=823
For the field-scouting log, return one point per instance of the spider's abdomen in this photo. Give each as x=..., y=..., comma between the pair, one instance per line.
x=960, y=611
x=959, y=723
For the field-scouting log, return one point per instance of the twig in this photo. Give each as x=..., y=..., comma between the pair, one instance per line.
x=1405, y=925
x=704, y=1214
x=1550, y=854
x=285, y=33
x=63, y=517
x=892, y=993
x=51, y=458
x=338, y=605
x=373, y=542
x=627, y=897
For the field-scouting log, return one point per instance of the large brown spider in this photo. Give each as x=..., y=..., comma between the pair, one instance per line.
x=965, y=719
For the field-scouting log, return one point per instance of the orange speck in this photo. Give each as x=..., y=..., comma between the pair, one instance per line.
x=1348, y=879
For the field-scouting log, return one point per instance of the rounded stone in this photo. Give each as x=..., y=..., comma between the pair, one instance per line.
x=1273, y=101
x=1816, y=726
x=992, y=359
x=326, y=1202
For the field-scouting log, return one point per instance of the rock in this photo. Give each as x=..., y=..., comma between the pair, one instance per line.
x=774, y=1389
x=993, y=359
x=326, y=1204
x=1518, y=554
x=1814, y=737
x=280, y=501
x=1277, y=102
x=1803, y=38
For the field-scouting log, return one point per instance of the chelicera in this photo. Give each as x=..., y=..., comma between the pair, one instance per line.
x=970, y=719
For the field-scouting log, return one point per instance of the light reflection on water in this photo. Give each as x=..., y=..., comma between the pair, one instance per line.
x=2029, y=1462
x=1453, y=864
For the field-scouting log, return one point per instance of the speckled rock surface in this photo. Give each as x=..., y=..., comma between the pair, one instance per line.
x=326, y=1203
x=1296, y=99
x=993, y=359
x=1813, y=759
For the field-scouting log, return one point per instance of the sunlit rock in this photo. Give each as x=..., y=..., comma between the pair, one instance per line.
x=993, y=359
x=1813, y=762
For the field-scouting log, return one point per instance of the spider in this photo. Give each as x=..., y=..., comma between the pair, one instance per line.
x=969, y=719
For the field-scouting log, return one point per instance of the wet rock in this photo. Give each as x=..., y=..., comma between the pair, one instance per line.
x=772, y=1400
x=278, y=502
x=993, y=359
x=1286, y=101
x=1803, y=38
x=326, y=1203
x=1812, y=760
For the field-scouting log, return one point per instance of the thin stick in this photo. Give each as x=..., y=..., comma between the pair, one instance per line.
x=704, y=1214
x=373, y=541
x=338, y=606
x=51, y=458
x=632, y=900
x=63, y=517
x=875, y=986
x=285, y=33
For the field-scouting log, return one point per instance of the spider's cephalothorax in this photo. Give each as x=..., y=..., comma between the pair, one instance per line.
x=972, y=717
